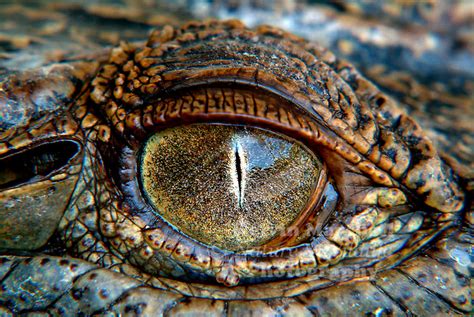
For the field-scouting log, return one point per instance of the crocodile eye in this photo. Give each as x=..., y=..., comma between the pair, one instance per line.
x=245, y=157
x=233, y=187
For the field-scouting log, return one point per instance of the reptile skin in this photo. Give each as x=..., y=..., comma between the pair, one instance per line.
x=78, y=101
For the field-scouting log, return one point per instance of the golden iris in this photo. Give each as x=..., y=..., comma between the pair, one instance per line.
x=233, y=187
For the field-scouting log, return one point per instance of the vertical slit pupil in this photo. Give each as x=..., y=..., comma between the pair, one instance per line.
x=238, y=168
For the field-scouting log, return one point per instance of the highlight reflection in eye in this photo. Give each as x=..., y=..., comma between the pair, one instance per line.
x=233, y=187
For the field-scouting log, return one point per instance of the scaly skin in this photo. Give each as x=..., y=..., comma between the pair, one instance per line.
x=82, y=240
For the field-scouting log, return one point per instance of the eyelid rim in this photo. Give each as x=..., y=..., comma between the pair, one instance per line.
x=132, y=124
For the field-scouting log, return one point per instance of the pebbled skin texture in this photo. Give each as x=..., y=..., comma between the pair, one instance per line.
x=405, y=247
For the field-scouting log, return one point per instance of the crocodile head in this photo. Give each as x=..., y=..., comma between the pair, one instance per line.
x=94, y=220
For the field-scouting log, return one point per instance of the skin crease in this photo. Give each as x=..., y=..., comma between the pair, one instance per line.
x=398, y=242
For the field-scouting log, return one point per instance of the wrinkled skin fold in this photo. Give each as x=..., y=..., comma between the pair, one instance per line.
x=78, y=237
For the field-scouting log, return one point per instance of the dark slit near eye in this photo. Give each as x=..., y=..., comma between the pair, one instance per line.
x=238, y=168
x=36, y=163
